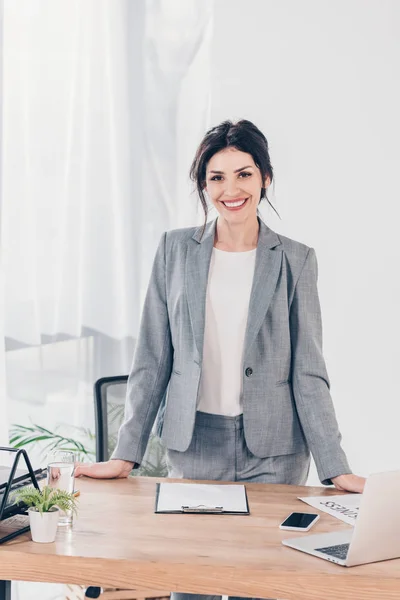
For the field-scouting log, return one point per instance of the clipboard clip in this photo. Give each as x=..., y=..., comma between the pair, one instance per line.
x=201, y=508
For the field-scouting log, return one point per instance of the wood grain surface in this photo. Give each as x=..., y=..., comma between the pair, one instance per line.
x=118, y=541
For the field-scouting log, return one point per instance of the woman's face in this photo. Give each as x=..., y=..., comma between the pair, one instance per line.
x=233, y=183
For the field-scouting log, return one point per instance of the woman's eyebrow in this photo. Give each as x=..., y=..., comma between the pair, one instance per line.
x=237, y=170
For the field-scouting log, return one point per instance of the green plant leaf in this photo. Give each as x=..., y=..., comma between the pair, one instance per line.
x=46, y=499
x=22, y=435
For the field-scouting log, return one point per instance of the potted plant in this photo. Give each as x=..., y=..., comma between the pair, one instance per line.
x=44, y=507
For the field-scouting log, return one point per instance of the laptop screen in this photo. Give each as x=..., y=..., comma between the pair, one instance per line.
x=5, y=474
x=19, y=475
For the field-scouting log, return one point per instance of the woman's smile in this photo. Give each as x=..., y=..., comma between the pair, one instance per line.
x=234, y=204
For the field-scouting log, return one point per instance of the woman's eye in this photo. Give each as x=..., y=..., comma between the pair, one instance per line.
x=243, y=174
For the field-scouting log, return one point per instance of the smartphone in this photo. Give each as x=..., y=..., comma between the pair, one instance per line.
x=299, y=521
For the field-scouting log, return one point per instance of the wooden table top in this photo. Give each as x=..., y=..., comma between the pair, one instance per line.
x=117, y=540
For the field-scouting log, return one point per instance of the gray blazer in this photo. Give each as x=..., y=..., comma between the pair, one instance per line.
x=287, y=407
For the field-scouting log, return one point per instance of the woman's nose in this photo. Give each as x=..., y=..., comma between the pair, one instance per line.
x=231, y=188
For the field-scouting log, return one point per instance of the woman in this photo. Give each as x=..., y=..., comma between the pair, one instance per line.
x=232, y=325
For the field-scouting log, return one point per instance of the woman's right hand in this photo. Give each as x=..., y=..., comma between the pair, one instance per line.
x=112, y=469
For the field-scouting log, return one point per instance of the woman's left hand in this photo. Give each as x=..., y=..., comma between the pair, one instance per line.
x=349, y=483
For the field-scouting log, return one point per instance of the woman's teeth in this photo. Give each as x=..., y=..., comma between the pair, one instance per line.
x=234, y=204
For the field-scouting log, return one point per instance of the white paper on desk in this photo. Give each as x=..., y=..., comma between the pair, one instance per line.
x=172, y=496
x=344, y=507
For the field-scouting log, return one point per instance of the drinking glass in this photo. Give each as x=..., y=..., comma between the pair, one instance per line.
x=60, y=474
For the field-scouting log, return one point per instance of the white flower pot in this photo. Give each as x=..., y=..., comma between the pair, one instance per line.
x=43, y=525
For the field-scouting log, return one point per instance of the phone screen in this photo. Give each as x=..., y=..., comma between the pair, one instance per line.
x=301, y=520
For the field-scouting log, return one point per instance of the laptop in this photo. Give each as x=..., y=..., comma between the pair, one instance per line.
x=376, y=534
x=21, y=479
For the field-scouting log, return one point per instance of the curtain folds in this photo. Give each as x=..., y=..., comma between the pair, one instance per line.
x=104, y=103
x=3, y=403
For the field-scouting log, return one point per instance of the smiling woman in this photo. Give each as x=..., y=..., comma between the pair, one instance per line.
x=235, y=192
x=233, y=168
x=231, y=330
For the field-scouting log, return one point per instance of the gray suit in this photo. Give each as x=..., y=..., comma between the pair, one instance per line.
x=287, y=407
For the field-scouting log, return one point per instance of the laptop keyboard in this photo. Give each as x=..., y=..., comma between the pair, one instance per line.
x=339, y=551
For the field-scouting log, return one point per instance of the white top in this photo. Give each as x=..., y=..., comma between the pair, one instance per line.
x=230, y=280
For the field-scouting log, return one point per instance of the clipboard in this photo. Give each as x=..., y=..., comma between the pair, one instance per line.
x=180, y=506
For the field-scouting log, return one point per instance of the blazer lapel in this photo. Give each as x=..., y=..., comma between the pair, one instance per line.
x=198, y=260
x=266, y=273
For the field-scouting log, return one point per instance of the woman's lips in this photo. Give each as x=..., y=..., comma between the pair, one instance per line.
x=235, y=204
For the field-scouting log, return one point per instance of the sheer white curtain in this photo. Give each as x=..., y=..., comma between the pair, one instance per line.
x=72, y=140
x=177, y=78
x=104, y=103
x=3, y=403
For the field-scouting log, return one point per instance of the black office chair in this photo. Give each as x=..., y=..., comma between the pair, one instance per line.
x=109, y=403
x=109, y=397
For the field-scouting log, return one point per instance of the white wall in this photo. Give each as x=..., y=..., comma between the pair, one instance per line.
x=321, y=80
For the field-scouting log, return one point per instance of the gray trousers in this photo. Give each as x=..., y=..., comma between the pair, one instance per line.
x=218, y=451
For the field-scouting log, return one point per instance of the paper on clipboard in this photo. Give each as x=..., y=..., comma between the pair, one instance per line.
x=175, y=497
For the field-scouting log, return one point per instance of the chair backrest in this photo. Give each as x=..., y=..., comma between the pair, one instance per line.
x=109, y=398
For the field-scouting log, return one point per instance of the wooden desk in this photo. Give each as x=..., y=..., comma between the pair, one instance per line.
x=119, y=541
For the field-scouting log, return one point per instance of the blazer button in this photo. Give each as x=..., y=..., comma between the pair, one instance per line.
x=249, y=372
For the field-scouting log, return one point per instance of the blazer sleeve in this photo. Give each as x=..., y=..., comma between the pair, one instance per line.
x=151, y=368
x=310, y=382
